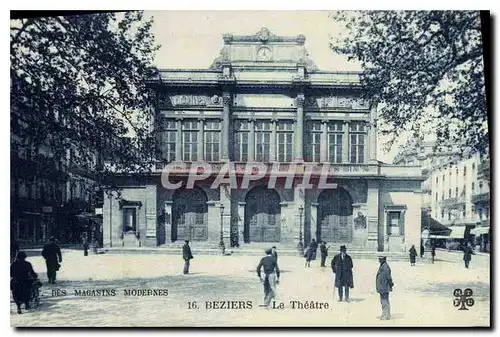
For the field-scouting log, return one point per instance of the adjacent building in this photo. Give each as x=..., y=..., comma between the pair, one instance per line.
x=456, y=191
x=264, y=101
x=49, y=194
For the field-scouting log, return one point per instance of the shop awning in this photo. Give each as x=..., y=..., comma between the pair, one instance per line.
x=480, y=230
x=457, y=232
x=434, y=226
x=438, y=237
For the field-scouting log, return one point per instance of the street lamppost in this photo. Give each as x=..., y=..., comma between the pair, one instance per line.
x=110, y=193
x=221, y=243
x=301, y=245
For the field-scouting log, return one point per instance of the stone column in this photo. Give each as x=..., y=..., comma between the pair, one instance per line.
x=178, y=140
x=241, y=223
x=345, y=143
x=359, y=235
x=213, y=218
x=299, y=200
x=372, y=217
x=372, y=136
x=226, y=100
x=168, y=221
x=251, y=140
x=148, y=238
x=314, y=220
x=201, y=140
x=299, y=147
x=273, y=150
x=324, y=142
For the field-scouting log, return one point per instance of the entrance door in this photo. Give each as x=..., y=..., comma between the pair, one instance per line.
x=335, y=216
x=394, y=223
x=262, y=216
x=190, y=215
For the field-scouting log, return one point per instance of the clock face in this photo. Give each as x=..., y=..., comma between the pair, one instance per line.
x=264, y=54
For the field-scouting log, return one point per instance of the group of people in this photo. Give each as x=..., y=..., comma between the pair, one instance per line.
x=467, y=249
x=342, y=269
x=24, y=279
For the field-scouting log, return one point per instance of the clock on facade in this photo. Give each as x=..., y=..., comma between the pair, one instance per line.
x=264, y=54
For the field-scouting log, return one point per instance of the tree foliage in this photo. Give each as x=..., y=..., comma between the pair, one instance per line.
x=426, y=71
x=79, y=84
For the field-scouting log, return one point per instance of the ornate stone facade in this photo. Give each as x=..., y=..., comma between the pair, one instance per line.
x=264, y=101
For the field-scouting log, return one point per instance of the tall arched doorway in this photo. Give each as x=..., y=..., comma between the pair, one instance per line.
x=262, y=215
x=335, y=216
x=190, y=215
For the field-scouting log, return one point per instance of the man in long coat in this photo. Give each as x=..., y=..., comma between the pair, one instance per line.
x=271, y=276
x=187, y=256
x=22, y=277
x=384, y=285
x=52, y=254
x=413, y=255
x=342, y=268
x=468, y=252
x=314, y=249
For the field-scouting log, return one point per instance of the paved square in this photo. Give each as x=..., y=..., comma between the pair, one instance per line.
x=422, y=296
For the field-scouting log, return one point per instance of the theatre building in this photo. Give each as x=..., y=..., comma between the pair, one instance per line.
x=264, y=101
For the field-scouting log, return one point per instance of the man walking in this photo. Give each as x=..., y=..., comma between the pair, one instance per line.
x=384, y=285
x=324, y=253
x=342, y=268
x=314, y=249
x=187, y=256
x=52, y=254
x=433, y=252
x=271, y=276
x=468, y=252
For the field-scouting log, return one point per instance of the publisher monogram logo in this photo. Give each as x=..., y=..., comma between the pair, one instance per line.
x=463, y=298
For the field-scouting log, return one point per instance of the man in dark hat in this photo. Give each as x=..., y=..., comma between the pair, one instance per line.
x=384, y=285
x=274, y=253
x=271, y=276
x=342, y=269
x=187, y=256
x=52, y=254
x=22, y=277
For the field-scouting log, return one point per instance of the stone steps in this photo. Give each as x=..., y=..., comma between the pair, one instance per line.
x=248, y=251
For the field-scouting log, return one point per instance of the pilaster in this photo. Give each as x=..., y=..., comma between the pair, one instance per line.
x=273, y=145
x=324, y=142
x=251, y=140
x=299, y=145
x=226, y=100
x=373, y=134
x=178, y=140
x=201, y=140
x=345, y=143
x=372, y=216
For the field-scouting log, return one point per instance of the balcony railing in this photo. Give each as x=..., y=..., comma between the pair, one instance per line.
x=281, y=169
x=453, y=202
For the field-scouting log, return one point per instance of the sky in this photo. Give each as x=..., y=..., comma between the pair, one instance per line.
x=193, y=39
